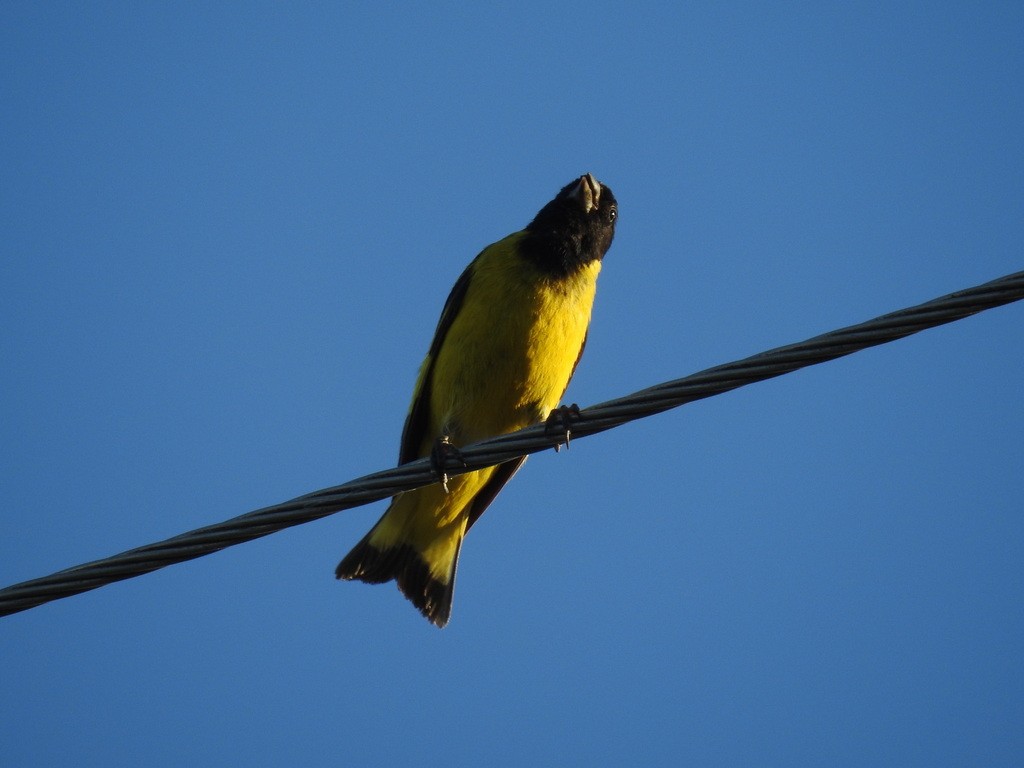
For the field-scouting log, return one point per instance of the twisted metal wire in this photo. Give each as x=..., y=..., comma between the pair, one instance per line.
x=598, y=418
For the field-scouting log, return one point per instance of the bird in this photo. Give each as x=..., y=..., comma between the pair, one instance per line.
x=510, y=336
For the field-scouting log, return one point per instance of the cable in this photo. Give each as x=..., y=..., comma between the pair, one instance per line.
x=598, y=418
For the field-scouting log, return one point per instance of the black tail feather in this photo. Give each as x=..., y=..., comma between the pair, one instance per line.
x=402, y=563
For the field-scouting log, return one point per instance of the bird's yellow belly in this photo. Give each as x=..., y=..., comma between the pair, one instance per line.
x=504, y=365
x=522, y=360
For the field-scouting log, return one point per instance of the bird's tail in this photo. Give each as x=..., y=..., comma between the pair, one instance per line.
x=375, y=561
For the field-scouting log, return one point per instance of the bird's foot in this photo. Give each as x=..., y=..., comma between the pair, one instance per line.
x=561, y=420
x=439, y=455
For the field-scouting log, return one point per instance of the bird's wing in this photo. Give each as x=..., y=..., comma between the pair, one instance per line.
x=485, y=495
x=418, y=420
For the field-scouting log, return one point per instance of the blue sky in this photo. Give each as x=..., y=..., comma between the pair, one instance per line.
x=227, y=234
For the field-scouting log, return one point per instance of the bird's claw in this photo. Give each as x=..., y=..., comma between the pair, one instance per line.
x=561, y=419
x=439, y=455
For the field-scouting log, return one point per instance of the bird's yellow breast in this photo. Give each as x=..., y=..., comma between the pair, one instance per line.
x=511, y=350
x=503, y=365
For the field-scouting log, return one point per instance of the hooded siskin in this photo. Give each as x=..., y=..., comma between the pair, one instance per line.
x=508, y=341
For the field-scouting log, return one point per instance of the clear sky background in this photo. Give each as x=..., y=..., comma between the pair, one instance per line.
x=225, y=239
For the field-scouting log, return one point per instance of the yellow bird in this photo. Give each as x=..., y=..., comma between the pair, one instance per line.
x=508, y=341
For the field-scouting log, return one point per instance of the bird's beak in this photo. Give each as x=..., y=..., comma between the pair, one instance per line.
x=587, y=193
